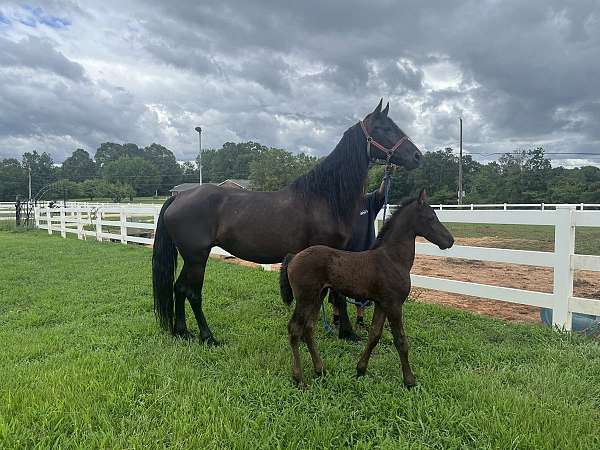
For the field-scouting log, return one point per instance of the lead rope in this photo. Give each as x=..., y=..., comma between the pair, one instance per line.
x=386, y=188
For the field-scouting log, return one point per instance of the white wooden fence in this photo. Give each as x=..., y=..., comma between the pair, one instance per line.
x=563, y=260
x=124, y=223
x=128, y=223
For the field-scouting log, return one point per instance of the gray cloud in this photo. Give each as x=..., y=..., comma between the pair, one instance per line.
x=295, y=75
x=36, y=53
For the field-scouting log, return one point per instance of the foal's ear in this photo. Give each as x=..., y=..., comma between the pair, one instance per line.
x=422, y=197
x=386, y=109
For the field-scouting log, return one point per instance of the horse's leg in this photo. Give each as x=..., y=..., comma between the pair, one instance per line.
x=180, y=296
x=374, y=336
x=346, y=331
x=394, y=313
x=195, y=278
x=294, y=334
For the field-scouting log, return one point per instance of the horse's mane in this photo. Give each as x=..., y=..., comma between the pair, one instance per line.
x=388, y=223
x=339, y=178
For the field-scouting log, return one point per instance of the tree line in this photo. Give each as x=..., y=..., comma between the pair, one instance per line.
x=120, y=171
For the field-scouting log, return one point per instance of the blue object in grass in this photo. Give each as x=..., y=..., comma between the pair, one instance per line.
x=580, y=322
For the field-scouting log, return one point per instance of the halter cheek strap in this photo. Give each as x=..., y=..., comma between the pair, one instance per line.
x=388, y=151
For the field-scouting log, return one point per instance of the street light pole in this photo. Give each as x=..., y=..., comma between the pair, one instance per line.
x=460, y=169
x=199, y=130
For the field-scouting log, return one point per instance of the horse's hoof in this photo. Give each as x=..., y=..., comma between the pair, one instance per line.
x=184, y=335
x=212, y=342
x=350, y=336
x=361, y=372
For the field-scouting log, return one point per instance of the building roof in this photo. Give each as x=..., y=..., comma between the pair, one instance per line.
x=184, y=187
x=244, y=184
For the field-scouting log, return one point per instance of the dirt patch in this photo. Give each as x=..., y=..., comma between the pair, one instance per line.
x=586, y=284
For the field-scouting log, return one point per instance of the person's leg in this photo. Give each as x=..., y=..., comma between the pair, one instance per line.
x=360, y=317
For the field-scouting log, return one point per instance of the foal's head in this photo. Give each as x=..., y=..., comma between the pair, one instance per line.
x=427, y=225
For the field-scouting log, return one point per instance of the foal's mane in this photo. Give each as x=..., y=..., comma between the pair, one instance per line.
x=340, y=177
x=389, y=222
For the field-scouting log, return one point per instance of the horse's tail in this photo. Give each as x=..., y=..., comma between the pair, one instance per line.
x=164, y=264
x=285, y=288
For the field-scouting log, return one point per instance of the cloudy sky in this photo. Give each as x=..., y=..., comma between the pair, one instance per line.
x=297, y=74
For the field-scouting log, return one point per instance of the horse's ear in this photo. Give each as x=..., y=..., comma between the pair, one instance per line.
x=386, y=109
x=422, y=197
x=377, y=110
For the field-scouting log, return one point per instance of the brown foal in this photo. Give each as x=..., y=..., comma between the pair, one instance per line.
x=381, y=274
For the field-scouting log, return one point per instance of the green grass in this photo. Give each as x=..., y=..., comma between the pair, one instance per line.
x=83, y=365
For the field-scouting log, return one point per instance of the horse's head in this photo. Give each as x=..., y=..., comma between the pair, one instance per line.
x=427, y=224
x=389, y=142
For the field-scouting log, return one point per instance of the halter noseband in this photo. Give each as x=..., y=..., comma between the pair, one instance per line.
x=388, y=151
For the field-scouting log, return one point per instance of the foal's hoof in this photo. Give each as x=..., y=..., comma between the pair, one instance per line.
x=410, y=384
x=320, y=373
x=361, y=372
x=211, y=342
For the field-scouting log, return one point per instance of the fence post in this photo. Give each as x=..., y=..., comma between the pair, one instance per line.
x=79, y=222
x=123, y=217
x=542, y=207
x=63, y=227
x=36, y=215
x=505, y=207
x=564, y=247
x=99, y=225
x=49, y=219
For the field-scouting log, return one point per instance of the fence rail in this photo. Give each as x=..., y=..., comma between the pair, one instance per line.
x=127, y=223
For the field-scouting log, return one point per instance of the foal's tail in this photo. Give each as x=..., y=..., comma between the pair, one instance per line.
x=285, y=289
x=164, y=264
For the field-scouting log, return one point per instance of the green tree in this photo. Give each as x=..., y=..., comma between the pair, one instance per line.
x=166, y=163
x=231, y=161
x=189, y=173
x=94, y=188
x=78, y=167
x=137, y=172
x=109, y=151
x=43, y=171
x=119, y=191
x=13, y=180
x=275, y=168
x=65, y=189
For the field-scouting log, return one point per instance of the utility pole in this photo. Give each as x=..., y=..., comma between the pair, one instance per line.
x=460, y=168
x=199, y=130
x=29, y=170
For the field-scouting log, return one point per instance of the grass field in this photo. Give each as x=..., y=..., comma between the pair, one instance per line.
x=83, y=365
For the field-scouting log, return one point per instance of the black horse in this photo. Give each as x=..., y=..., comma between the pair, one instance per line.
x=317, y=208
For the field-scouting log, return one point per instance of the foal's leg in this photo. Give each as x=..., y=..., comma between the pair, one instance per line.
x=312, y=313
x=195, y=278
x=346, y=331
x=181, y=290
x=374, y=336
x=394, y=313
x=294, y=334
